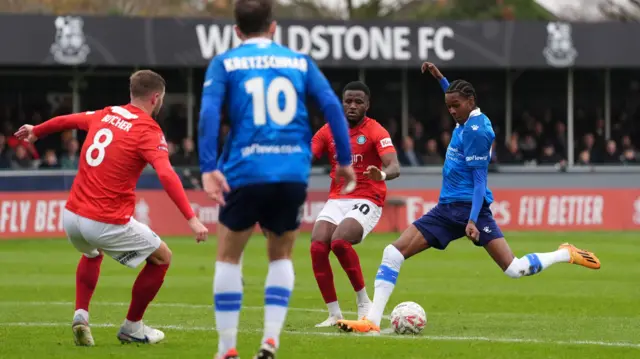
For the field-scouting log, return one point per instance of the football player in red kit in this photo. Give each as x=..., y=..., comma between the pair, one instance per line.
x=347, y=218
x=121, y=141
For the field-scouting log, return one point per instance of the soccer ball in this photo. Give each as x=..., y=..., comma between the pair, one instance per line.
x=408, y=318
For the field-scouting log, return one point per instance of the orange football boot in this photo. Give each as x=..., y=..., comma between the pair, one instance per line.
x=231, y=354
x=581, y=256
x=363, y=325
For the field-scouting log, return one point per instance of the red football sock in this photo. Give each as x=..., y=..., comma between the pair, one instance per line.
x=87, y=276
x=350, y=262
x=145, y=289
x=322, y=270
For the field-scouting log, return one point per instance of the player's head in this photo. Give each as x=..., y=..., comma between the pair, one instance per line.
x=254, y=18
x=147, y=89
x=355, y=101
x=460, y=99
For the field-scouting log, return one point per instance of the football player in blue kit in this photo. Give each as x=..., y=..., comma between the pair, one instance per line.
x=262, y=175
x=462, y=209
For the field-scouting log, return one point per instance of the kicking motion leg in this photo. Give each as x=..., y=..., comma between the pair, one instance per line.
x=348, y=234
x=320, y=250
x=228, y=289
x=534, y=263
x=410, y=243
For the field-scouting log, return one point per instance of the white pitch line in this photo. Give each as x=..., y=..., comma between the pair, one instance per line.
x=384, y=334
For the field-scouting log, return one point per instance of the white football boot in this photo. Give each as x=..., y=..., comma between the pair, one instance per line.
x=144, y=335
x=82, y=332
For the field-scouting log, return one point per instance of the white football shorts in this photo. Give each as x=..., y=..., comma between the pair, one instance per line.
x=130, y=244
x=362, y=210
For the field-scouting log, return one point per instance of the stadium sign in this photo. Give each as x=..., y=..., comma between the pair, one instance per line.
x=36, y=40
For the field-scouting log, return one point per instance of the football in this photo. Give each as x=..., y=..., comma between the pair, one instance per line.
x=408, y=318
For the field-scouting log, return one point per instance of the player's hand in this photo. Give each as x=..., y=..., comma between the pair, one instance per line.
x=199, y=229
x=472, y=232
x=346, y=174
x=433, y=70
x=215, y=185
x=374, y=173
x=25, y=133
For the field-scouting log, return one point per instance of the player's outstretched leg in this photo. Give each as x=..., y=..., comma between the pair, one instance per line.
x=145, y=288
x=410, y=243
x=228, y=289
x=320, y=250
x=536, y=262
x=277, y=291
x=87, y=275
x=349, y=233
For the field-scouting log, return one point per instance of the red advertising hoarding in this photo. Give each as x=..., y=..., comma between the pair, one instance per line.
x=39, y=214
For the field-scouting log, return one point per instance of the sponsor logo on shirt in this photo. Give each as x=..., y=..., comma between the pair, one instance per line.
x=476, y=158
x=386, y=142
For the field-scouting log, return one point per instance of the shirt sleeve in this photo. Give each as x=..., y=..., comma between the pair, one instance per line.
x=477, y=146
x=384, y=144
x=153, y=145
x=319, y=143
x=74, y=121
x=213, y=93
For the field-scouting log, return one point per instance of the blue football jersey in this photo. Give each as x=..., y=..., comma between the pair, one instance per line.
x=264, y=87
x=470, y=148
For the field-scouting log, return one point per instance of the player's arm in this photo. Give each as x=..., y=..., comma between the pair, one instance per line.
x=154, y=150
x=387, y=152
x=213, y=93
x=477, y=151
x=331, y=108
x=435, y=72
x=319, y=144
x=74, y=121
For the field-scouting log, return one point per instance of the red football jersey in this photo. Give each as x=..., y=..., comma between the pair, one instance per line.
x=121, y=141
x=369, y=142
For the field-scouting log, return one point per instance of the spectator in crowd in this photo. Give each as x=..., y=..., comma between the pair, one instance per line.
x=588, y=144
x=172, y=149
x=560, y=137
x=70, y=159
x=629, y=156
x=549, y=156
x=408, y=155
x=445, y=138
x=512, y=155
x=584, y=159
x=187, y=156
x=5, y=161
x=611, y=155
x=50, y=160
x=432, y=155
x=625, y=141
x=21, y=158
x=528, y=147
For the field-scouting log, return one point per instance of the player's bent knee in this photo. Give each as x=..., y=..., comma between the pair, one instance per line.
x=162, y=255
x=518, y=268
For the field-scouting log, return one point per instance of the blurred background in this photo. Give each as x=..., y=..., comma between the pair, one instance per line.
x=554, y=117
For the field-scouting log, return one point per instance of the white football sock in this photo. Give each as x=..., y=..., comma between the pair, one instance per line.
x=227, y=293
x=84, y=315
x=534, y=263
x=362, y=296
x=277, y=293
x=334, y=309
x=385, y=282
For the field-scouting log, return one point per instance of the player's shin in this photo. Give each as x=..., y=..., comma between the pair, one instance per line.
x=87, y=275
x=385, y=282
x=227, y=292
x=145, y=288
x=536, y=262
x=324, y=276
x=277, y=293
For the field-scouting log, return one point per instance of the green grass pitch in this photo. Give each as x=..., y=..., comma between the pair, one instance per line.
x=474, y=311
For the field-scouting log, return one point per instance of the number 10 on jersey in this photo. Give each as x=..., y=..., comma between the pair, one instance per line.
x=265, y=100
